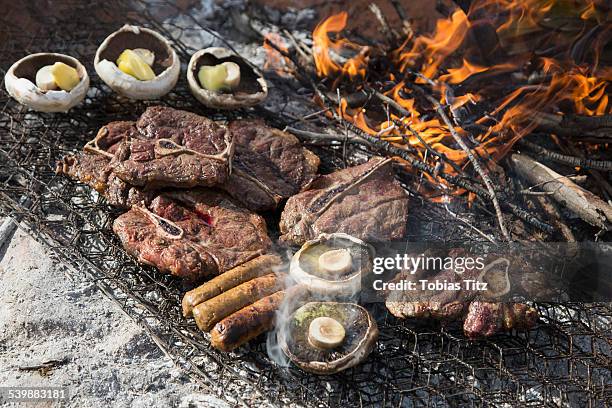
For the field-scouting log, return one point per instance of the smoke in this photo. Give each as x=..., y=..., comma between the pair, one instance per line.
x=298, y=295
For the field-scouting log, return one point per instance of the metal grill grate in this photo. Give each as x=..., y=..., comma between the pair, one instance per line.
x=565, y=360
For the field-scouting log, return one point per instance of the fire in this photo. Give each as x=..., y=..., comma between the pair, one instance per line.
x=447, y=38
x=442, y=63
x=322, y=45
x=458, y=75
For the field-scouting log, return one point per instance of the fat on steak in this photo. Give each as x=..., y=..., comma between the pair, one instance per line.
x=92, y=166
x=192, y=234
x=174, y=148
x=364, y=201
x=269, y=165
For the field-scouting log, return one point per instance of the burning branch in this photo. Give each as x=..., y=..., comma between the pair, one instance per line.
x=484, y=176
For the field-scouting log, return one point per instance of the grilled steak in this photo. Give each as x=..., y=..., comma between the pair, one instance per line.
x=92, y=166
x=364, y=201
x=174, y=148
x=487, y=318
x=268, y=166
x=481, y=318
x=192, y=234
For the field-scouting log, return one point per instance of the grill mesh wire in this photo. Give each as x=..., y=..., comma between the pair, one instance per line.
x=565, y=360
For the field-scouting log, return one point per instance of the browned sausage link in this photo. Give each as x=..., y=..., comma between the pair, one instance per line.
x=255, y=267
x=247, y=323
x=208, y=313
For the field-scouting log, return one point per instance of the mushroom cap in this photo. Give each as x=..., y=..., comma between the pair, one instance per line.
x=252, y=89
x=20, y=83
x=344, y=285
x=361, y=335
x=167, y=65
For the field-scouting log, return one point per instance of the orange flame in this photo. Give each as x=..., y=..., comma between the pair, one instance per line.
x=563, y=86
x=449, y=36
x=322, y=45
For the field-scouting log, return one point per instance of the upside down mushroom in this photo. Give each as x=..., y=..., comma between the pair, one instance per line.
x=47, y=82
x=328, y=337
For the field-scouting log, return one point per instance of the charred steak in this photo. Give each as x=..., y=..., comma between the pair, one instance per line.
x=364, y=201
x=175, y=148
x=269, y=165
x=192, y=234
x=92, y=166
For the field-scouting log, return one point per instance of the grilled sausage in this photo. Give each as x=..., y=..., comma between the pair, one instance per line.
x=207, y=314
x=253, y=320
x=255, y=267
x=247, y=323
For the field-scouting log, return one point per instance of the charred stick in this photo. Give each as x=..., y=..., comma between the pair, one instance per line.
x=399, y=9
x=565, y=159
x=324, y=136
x=549, y=207
x=578, y=127
x=605, y=186
x=475, y=162
x=387, y=31
x=582, y=202
x=557, y=219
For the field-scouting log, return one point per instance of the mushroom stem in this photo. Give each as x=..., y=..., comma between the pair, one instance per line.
x=325, y=333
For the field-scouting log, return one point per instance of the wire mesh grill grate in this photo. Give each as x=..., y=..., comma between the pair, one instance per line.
x=565, y=360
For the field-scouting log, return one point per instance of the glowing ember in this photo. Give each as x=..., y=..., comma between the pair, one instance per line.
x=274, y=59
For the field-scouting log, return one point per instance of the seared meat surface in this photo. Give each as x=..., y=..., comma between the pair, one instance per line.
x=92, y=166
x=269, y=165
x=364, y=201
x=166, y=147
x=192, y=234
x=481, y=318
x=174, y=148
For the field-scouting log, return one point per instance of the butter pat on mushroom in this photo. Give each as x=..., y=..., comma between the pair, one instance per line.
x=47, y=82
x=65, y=76
x=132, y=63
x=225, y=76
x=58, y=75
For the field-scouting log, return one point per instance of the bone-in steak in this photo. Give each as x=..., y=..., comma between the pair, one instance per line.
x=192, y=234
x=364, y=201
x=175, y=148
x=92, y=166
x=269, y=165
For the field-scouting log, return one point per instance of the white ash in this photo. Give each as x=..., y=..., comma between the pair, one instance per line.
x=108, y=360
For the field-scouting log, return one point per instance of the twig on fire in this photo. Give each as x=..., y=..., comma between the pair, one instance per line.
x=595, y=129
x=404, y=112
x=485, y=178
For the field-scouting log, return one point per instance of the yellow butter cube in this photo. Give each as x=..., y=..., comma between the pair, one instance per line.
x=65, y=76
x=212, y=77
x=132, y=64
